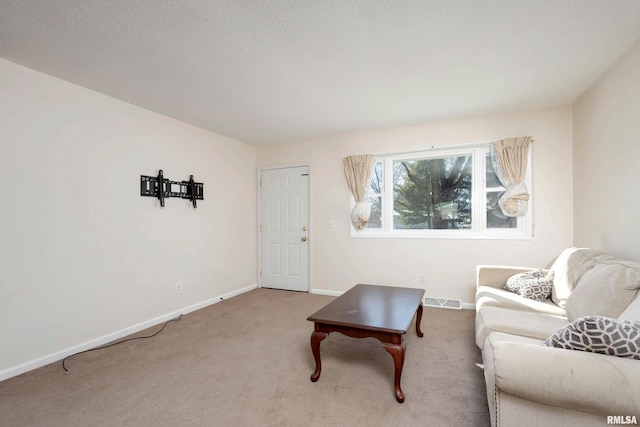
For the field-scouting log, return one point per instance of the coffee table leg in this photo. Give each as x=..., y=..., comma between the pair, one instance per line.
x=397, y=353
x=418, y=320
x=316, y=337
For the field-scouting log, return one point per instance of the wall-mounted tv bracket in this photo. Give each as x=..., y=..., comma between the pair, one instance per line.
x=162, y=188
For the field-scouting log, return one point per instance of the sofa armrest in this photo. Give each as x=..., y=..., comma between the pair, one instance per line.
x=576, y=380
x=496, y=275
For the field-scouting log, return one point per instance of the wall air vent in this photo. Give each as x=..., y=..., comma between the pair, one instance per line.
x=443, y=303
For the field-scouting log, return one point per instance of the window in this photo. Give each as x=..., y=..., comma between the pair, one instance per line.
x=440, y=193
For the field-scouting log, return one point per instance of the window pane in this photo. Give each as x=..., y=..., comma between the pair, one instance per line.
x=492, y=179
x=376, y=185
x=375, y=219
x=495, y=217
x=432, y=193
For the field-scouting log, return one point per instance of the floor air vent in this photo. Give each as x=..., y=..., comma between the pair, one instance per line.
x=443, y=303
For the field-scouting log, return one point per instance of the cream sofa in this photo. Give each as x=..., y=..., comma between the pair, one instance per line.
x=530, y=384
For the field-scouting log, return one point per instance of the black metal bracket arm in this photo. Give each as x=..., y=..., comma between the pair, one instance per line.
x=195, y=191
x=161, y=188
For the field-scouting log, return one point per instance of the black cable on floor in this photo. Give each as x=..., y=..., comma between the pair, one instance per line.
x=118, y=342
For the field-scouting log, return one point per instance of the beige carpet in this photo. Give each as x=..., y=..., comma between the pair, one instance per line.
x=246, y=361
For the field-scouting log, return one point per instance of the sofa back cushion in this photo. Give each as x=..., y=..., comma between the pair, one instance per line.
x=604, y=290
x=632, y=312
x=568, y=268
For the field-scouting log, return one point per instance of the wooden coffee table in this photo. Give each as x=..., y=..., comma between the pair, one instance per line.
x=381, y=312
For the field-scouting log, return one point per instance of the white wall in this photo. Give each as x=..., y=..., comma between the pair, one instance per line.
x=82, y=254
x=607, y=158
x=340, y=261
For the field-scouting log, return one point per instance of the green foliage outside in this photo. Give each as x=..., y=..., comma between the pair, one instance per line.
x=433, y=193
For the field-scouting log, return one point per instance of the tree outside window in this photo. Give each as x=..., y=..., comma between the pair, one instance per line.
x=432, y=193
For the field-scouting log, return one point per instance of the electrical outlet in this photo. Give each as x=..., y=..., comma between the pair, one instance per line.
x=178, y=288
x=423, y=280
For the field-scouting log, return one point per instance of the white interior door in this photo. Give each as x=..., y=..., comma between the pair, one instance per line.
x=284, y=227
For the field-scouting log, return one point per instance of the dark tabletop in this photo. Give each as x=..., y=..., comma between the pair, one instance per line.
x=384, y=308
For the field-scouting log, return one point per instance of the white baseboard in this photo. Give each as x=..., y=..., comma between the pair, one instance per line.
x=323, y=292
x=59, y=355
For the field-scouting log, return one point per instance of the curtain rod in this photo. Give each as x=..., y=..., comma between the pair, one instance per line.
x=440, y=147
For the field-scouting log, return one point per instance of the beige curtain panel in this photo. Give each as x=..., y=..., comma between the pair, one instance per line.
x=511, y=157
x=357, y=171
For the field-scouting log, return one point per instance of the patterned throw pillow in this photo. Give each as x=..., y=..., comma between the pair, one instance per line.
x=531, y=284
x=596, y=334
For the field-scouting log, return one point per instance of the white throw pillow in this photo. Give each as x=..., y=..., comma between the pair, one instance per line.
x=531, y=284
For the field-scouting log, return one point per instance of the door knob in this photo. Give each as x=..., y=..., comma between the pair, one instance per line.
x=304, y=239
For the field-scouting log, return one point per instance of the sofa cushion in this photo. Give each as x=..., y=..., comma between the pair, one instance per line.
x=596, y=334
x=605, y=290
x=570, y=265
x=517, y=322
x=632, y=312
x=531, y=284
x=497, y=297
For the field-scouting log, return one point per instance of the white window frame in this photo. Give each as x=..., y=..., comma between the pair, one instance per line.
x=478, y=228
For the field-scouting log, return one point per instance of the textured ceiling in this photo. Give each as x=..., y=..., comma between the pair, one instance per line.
x=269, y=71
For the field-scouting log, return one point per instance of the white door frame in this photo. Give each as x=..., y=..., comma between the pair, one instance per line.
x=311, y=231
